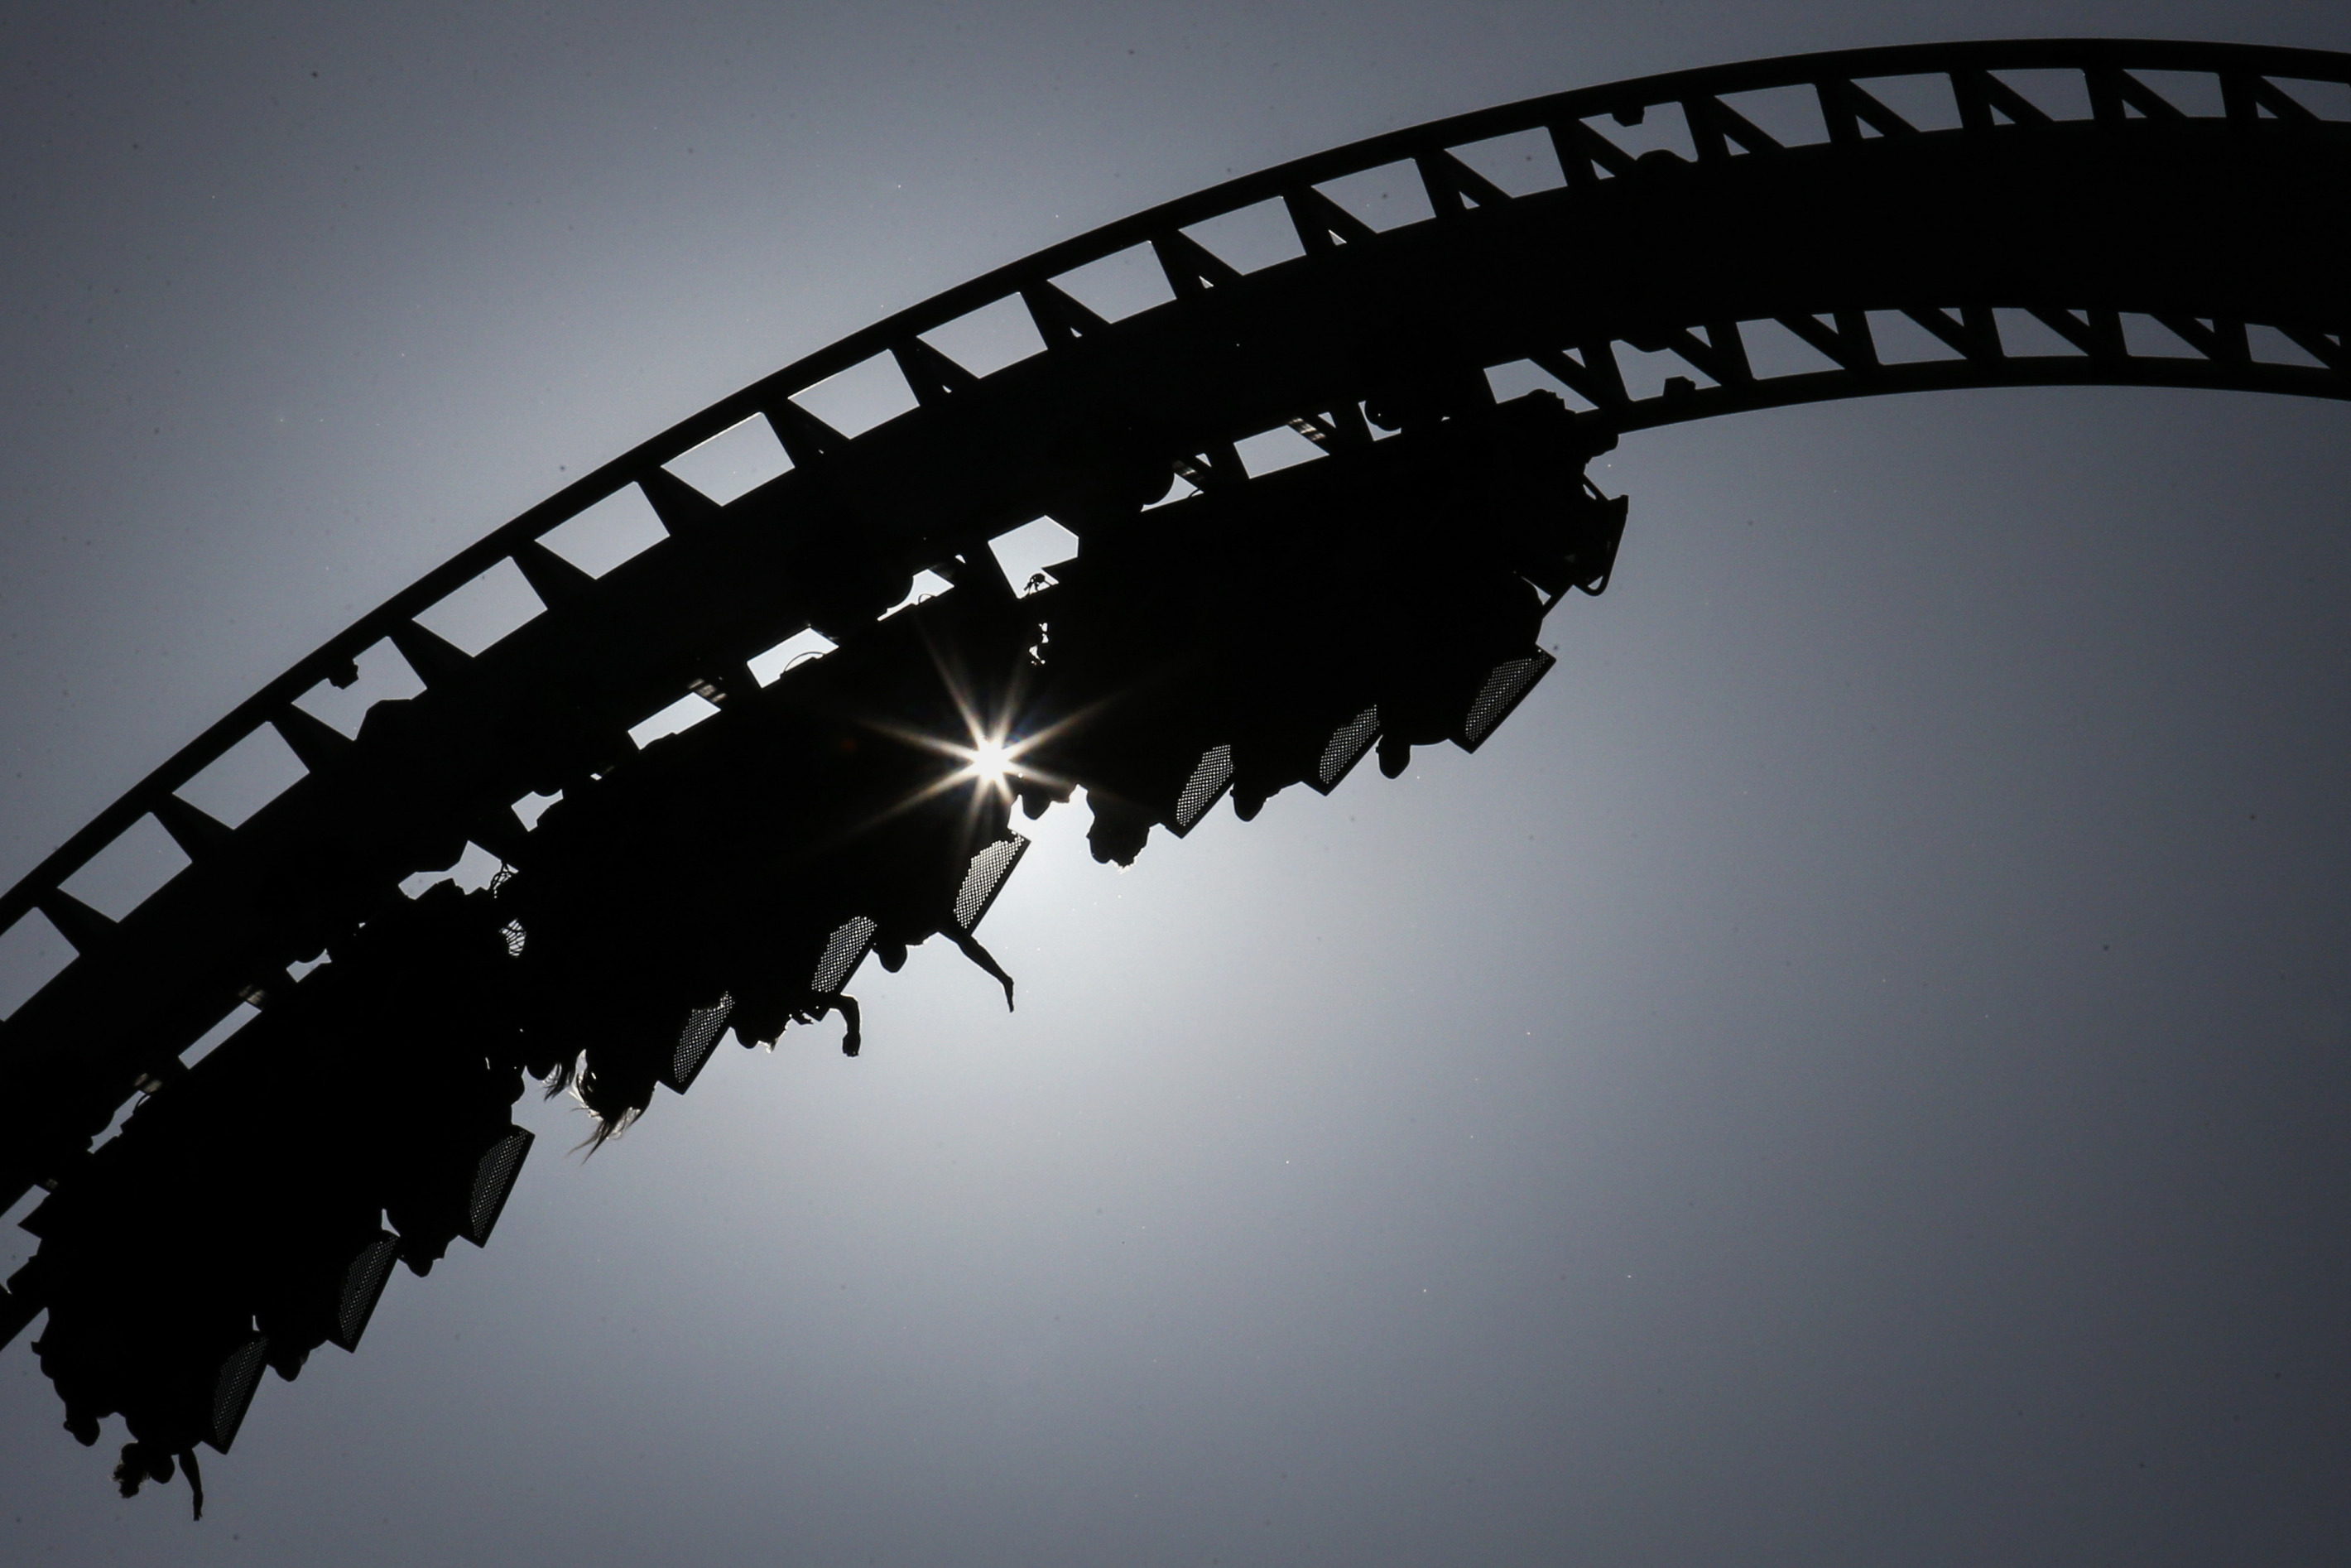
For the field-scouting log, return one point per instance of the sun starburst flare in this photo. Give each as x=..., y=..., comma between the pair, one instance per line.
x=989, y=761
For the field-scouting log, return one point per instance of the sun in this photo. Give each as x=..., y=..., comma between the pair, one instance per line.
x=991, y=760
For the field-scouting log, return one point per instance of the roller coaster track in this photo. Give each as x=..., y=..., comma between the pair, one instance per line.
x=1705, y=243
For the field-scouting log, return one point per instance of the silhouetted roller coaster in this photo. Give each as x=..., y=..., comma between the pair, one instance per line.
x=1618, y=258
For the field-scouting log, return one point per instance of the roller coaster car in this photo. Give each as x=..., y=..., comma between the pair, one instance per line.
x=236, y=1221
x=737, y=873
x=1258, y=635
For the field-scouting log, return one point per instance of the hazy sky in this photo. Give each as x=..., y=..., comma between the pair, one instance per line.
x=1854, y=1073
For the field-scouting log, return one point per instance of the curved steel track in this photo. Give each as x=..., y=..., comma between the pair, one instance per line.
x=2146, y=213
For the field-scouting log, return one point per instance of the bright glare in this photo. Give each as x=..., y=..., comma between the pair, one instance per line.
x=990, y=761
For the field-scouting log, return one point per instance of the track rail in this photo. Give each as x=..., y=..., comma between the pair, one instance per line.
x=1625, y=250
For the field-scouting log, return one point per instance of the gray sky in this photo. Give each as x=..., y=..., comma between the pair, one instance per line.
x=1855, y=1072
